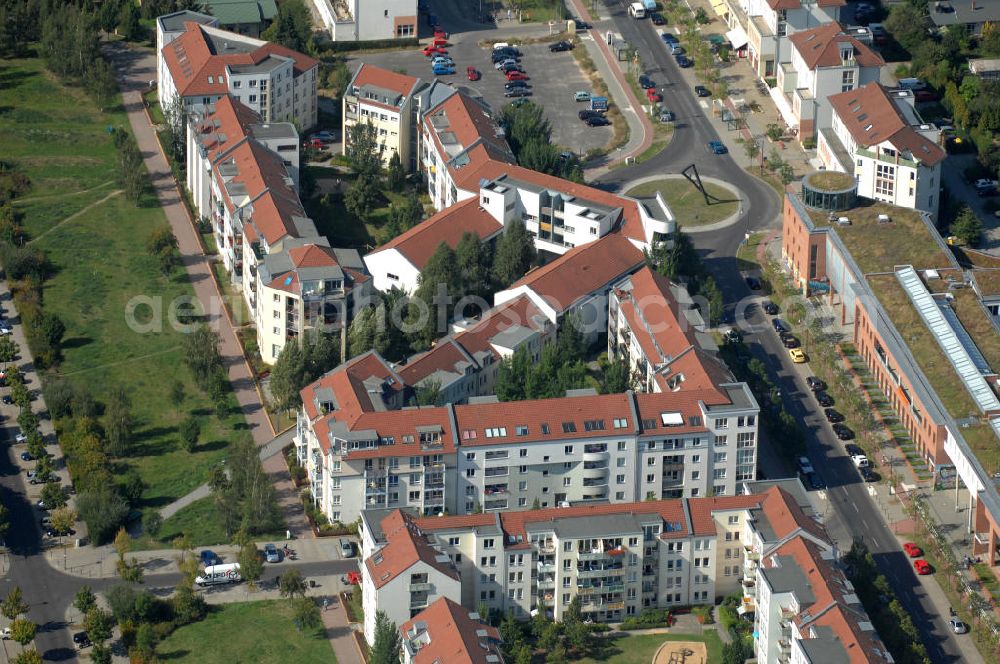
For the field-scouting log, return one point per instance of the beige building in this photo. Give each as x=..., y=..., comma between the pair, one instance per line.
x=387, y=101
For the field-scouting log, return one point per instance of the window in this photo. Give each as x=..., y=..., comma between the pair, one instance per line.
x=253, y=99
x=622, y=446
x=470, y=472
x=496, y=432
x=620, y=422
x=651, y=461
x=619, y=479
x=620, y=462
x=470, y=490
x=522, y=470
x=847, y=80
x=722, y=423
x=524, y=452
x=488, y=543
x=719, y=457
x=695, y=474
x=471, y=456
x=734, y=520
x=522, y=486
x=522, y=502
x=650, y=478
x=885, y=176
x=567, y=481
x=569, y=427
x=521, y=430
x=619, y=495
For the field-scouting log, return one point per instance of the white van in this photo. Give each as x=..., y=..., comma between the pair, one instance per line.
x=637, y=10
x=215, y=575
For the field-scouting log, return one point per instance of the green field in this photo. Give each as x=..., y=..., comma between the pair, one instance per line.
x=54, y=134
x=246, y=633
x=688, y=204
x=639, y=649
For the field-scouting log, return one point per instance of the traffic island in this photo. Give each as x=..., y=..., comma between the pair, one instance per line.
x=688, y=203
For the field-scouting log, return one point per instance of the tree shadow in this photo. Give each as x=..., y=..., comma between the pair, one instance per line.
x=76, y=342
x=174, y=654
x=211, y=446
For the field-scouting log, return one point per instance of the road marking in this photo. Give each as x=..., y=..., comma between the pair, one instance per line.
x=703, y=104
x=855, y=506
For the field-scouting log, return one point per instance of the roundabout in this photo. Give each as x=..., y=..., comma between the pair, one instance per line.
x=693, y=213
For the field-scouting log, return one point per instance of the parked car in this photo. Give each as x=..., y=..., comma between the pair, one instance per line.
x=435, y=50
x=805, y=465
x=684, y=61
x=324, y=136
x=271, y=554
x=517, y=76
x=853, y=450
x=833, y=416
x=509, y=67
x=517, y=92
x=583, y=115
x=26, y=456
x=510, y=85
x=582, y=25
x=668, y=38
x=560, y=46
x=815, y=384
x=209, y=557
x=645, y=82
x=20, y=437
x=676, y=49
x=657, y=18
x=443, y=60
x=472, y=74
x=814, y=482
x=922, y=567
x=81, y=640
x=912, y=550
x=716, y=147
x=581, y=95
x=843, y=432
x=702, y=91
x=925, y=95
x=789, y=341
x=770, y=308
x=779, y=326
x=823, y=399
x=869, y=475
x=598, y=121
x=797, y=355
x=860, y=461
x=957, y=626
x=653, y=96
x=984, y=183
x=666, y=116
x=7, y=399
x=500, y=64
x=441, y=70
x=987, y=193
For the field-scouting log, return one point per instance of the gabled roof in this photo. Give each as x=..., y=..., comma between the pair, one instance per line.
x=820, y=47
x=582, y=271
x=419, y=243
x=785, y=516
x=872, y=117
x=446, y=633
x=236, y=12
x=405, y=547
x=384, y=79
x=223, y=125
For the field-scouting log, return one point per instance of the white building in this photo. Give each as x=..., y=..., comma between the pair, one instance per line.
x=824, y=61
x=878, y=136
x=404, y=575
x=204, y=63
x=764, y=26
x=171, y=26
x=367, y=20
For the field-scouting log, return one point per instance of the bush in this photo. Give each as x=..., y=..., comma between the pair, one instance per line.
x=104, y=511
x=328, y=51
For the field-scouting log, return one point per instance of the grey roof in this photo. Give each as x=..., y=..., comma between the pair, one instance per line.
x=964, y=12
x=373, y=520
x=512, y=336
x=265, y=65
x=788, y=577
x=434, y=94
x=602, y=526
x=175, y=22
x=236, y=12
x=740, y=398
x=381, y=95
x=824, y=647
x=791, y=485
x=349, y=258
x=229, y=43
x=266, y=130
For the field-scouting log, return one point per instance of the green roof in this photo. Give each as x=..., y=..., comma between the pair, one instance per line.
x=232, y=12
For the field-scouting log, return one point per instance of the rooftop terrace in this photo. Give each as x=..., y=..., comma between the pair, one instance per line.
x=876, y=246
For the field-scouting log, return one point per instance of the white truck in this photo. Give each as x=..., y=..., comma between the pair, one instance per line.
x=215, y=575
x=637, y=10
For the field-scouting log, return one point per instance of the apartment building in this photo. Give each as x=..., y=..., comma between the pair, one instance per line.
x=447, y=632
x=917, y=321
x=399, y=262
x=974, y=15
x=824, y=61
x=204, y=63
x=405, y=575
x=619, y=559
x=368, y=20
x=764, y=26
x=655, y=327
x=387, y=101
x=363, y=451
x=247, y=17
x=171, y=26
x=878, y=136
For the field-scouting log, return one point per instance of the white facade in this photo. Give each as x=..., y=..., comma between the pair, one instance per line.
x=768, y=29
x=404, y=596
x=367, y=20
x=390, y=269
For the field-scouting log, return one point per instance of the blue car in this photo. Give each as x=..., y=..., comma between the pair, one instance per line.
x=668, y=38
x=716, y=147
x=443, y=71
x=684, y=61
x=209, y=558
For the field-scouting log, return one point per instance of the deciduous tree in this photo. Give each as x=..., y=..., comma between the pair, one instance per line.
x=118, y=423
x=99, y=624
x=23, y=631
x=13, y=604
x=291, y=584
x=190, y=430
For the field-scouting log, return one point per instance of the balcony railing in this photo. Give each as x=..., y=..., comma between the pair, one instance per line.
x=909, y=163
x=546, y=547
x=421, y=587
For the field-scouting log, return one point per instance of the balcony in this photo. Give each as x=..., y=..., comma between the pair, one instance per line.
x=430, y=445
x=546, y=584
x=546, y=547
x=421, y=587
x=599, y=573
x=544, y=567
x=497, y=472
x=908, y=163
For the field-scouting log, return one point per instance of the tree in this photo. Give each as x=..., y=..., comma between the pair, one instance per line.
x=128, y=21
x=63, y=518
x=190, y=430
x=291, y=584
x=250, y=491
x=52, y=330
x=30, y=656
x=177, y=394
x=428, y=393
x=514, y=254
x=967, y=227
x=101, y=83
x=84, y=600
x=132, y=487
x=101, y=654
x=99, y=624
x=152, y=522
x=201, y=353
x=307, y=614
x=13, y=604
x=131, y=176
x=188, y=606
x=385, y=648
x=23, y=631
x=145, y=640
x=363, y=150
x=251, y=565
x=395, y=176
x=906, y=23
x=512, y=376
x=287, y=376
x=118, y=423
x=362, y=196
x=162, y=245
x=716, y=305
x=551, y=635
x=473, y=260
x=675, y=256
x=617, y=377
x=104, y=510
x=292, y=27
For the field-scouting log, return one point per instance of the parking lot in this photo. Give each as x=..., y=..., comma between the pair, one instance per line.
x=553, y=80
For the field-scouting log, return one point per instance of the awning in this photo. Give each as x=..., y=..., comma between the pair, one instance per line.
x=720, y=7
x=737, y=37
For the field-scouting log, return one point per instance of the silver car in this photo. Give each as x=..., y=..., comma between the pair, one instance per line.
x=271, y=554
x=957, y=626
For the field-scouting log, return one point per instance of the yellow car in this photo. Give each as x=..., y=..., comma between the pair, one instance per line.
x=798, y=357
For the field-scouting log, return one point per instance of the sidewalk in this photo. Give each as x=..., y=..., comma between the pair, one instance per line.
x=136, y=67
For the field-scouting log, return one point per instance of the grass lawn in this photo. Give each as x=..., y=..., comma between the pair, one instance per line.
x=199, y=521
x=687, y=203
x=55, y=135
x=639, y=649
x=246, y=632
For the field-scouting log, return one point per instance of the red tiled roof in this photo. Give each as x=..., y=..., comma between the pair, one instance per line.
x=192, y=63
x=872, y=117
x=452, y=637
x=224, y=126
x=396, y=424
x=785, y=515
x=383, y=78
x=467, y=120
x=420, y=242
x=820, y=47
x=405, y=547
x=312, y=255
x=582, y=270
x=445, y=356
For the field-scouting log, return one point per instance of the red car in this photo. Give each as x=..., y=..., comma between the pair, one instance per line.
x=435, y=50
x=517, y=76
x=653, y=96
x=439, y=32
x=912, y=550
x=440, y=41
x=473, y=73
x=315, y=143
x=922, y=567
